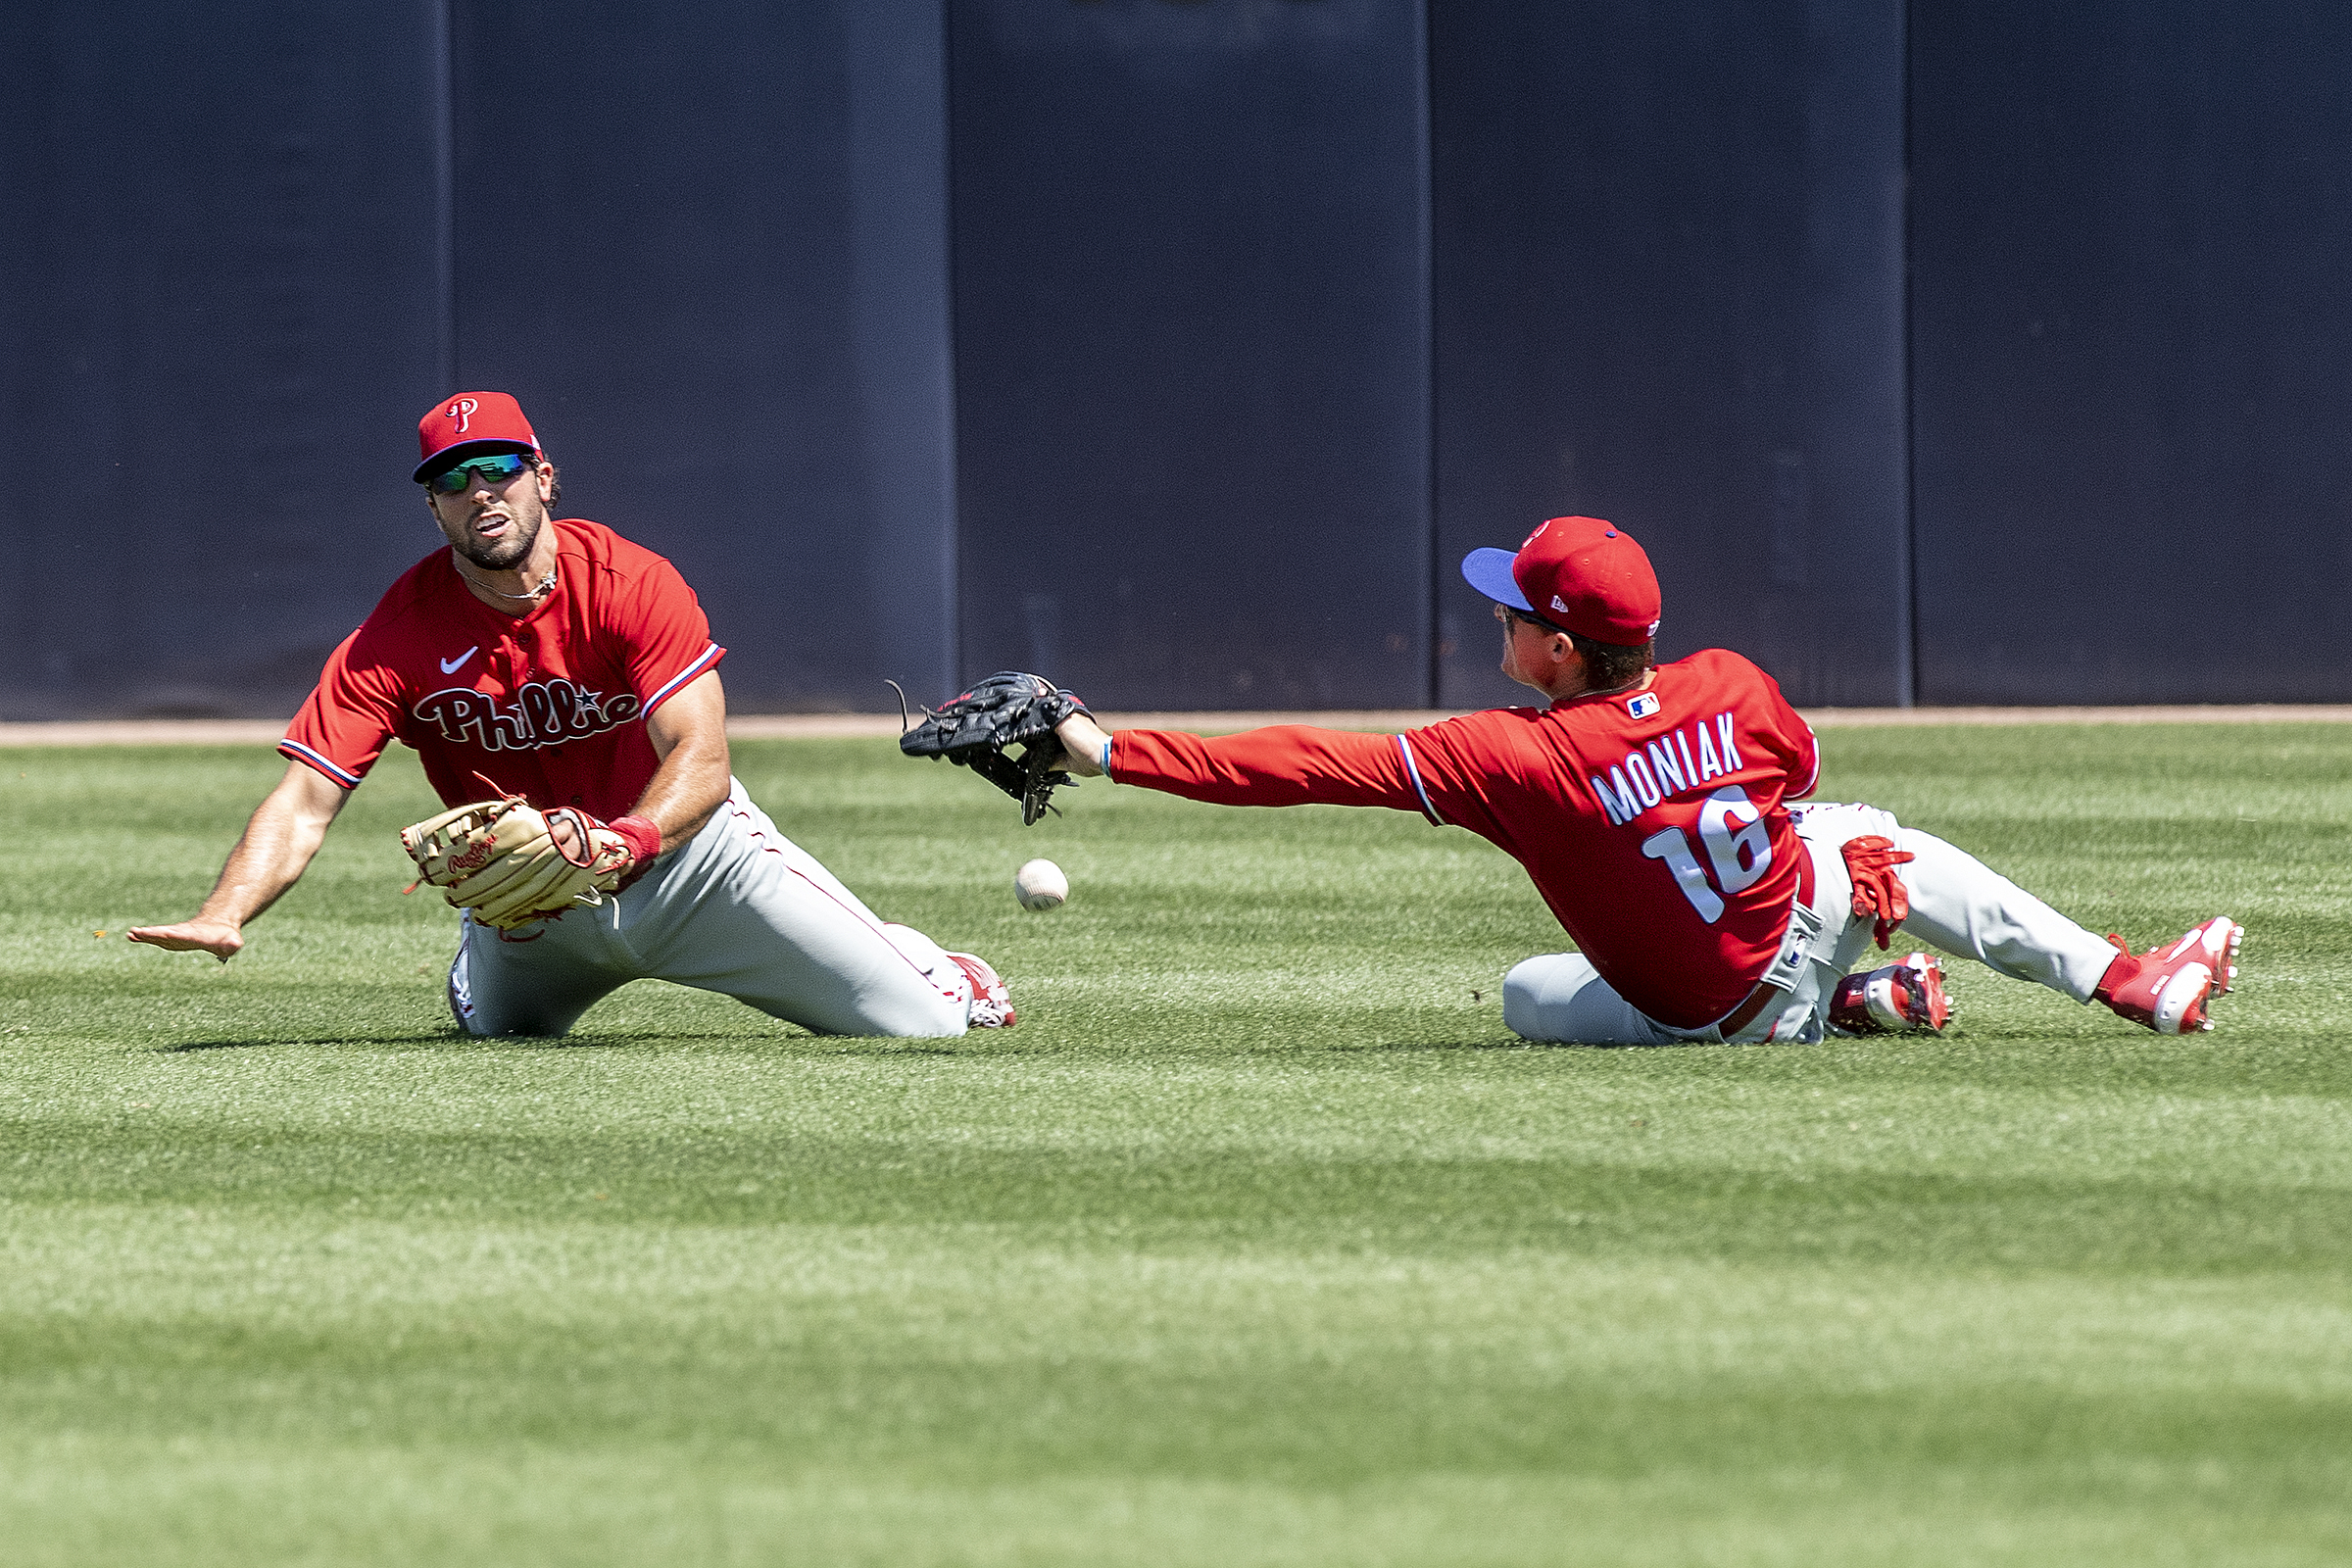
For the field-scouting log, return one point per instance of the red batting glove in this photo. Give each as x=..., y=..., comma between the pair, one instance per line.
x=1870, y=862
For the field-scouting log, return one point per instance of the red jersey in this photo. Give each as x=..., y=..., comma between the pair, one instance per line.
x=1653, y=822
x=550, y=706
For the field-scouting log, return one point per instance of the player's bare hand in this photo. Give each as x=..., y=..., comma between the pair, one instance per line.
x=215, y=936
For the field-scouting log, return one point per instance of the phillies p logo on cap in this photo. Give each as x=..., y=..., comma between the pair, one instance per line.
x=458, y=425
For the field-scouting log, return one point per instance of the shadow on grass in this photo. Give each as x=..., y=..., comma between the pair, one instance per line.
x=1402, y=1047
x=788, y=1037
x=1518, y=1043
x=798, y=1041
x=445, y=1037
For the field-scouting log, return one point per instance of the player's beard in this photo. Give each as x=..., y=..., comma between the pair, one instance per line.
x=505, y=555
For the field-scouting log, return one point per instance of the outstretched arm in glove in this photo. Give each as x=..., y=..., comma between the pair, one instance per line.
x=977, y=727
x=285, y=831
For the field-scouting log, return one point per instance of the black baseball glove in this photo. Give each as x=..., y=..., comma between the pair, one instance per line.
x=974, y=728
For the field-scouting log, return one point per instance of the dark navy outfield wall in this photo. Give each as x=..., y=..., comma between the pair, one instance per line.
x=243, y=248
x=217, y=308
x=1192, y=347
x=1669, y=293
x=706, y=246
x=1181, y=346
x=2132, y=351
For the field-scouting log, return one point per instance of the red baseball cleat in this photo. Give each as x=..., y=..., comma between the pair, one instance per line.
x=992, y=1004
x=2168, y=988
x=1897, y=998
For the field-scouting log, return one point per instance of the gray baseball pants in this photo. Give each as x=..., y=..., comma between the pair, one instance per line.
x=740, y=910
x=1957, y=902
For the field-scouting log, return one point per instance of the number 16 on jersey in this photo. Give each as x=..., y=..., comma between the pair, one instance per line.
x=1740, y=853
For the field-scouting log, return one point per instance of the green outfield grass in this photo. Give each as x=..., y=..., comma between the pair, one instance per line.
x=1258, y=1242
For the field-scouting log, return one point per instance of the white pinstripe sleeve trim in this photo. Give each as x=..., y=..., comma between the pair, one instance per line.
x=1413, y=770
x=701, y=663
x=343, y=776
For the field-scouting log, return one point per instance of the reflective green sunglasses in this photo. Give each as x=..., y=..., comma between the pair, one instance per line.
x=499, y=469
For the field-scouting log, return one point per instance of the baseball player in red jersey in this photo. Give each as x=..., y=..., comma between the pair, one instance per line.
x=551, y=659
x=1653, y=807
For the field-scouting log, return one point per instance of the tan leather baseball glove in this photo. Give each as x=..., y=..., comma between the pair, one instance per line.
x=511, y=863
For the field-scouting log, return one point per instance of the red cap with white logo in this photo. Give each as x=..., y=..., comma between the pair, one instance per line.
x=470, y=425
x=1579, y=573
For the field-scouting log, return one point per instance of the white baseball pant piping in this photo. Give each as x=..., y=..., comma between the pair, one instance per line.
x=739, y=909
x=1958, y=903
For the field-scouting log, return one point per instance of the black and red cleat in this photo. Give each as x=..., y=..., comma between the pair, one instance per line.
x=2168, y=988
x=1897, y=998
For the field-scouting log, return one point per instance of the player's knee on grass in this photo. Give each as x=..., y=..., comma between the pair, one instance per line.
x=1559, y=997
x=492, y=1023
x=487, y=1004
x=1523, y=991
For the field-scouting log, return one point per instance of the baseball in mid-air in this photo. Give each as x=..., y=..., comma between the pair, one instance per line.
x=1040, y=886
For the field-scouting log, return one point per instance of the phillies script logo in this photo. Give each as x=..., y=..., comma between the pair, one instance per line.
x=543, y=713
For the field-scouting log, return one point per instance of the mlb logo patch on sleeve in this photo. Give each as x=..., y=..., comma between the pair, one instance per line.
x=1644, y=706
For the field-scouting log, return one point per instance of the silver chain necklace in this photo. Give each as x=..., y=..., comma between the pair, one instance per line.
x=544, y=583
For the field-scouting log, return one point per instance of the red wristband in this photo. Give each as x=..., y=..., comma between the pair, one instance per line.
x=643, y=838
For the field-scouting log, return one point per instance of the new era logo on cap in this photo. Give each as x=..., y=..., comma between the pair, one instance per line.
x=1594, y=578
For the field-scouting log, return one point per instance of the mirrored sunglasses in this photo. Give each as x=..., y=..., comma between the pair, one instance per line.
x=498, y=469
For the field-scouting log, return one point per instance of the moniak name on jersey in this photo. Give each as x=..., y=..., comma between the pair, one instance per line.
x=1666, y=767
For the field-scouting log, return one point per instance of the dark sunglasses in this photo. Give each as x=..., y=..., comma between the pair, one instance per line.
x=499, y=469
x=1506, y=614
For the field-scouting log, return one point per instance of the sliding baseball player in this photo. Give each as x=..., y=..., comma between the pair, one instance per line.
x=1655, y=809
x=561, y=688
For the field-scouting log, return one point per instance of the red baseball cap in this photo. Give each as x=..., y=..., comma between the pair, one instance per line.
x=1578, y=573
x=468, y=424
